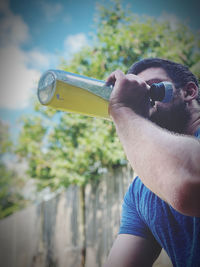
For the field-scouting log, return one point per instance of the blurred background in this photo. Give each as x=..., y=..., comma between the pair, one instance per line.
x=63, y=176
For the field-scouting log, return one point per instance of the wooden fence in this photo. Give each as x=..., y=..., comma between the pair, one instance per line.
x=52, y=234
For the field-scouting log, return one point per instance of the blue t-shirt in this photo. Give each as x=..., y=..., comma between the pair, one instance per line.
x=145, y=214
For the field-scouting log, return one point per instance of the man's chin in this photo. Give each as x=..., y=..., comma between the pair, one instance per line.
x=173, y=117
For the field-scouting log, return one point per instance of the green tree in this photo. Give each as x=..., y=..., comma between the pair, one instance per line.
x=71, y=149
x=11, y=199
x=63, y=148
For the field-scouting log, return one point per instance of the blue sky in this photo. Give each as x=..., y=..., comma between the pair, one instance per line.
x=34, y=34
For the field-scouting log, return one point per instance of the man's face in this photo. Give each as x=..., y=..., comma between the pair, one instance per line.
x=173, y=116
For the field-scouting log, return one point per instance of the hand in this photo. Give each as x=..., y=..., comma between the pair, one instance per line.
x=129, y=91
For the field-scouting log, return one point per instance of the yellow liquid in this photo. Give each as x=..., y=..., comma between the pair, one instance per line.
x=77, y=100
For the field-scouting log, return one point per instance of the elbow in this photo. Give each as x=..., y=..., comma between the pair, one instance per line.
x=186, y=198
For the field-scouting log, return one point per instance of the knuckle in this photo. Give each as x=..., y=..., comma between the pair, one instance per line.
x=123, y=82
x=143, y=84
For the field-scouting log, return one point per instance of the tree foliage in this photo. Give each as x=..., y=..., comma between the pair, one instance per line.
x=11, y=199
x=63, y=148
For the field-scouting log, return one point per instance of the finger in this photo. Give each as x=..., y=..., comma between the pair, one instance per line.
x=115, y=75
x=131, y=76
x=138, y=80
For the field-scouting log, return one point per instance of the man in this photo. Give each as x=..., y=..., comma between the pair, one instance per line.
x=161, y=209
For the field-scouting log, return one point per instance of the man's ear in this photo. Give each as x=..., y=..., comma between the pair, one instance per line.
x=190, y=91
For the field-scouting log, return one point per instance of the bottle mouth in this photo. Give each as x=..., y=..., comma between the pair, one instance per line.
x=46, y=87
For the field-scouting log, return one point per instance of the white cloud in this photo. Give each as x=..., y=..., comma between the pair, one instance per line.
x=16, y=80
x=13, y=30
x=19, y=69
x=51, y=10
x=36, y=59
x=73, y=43
x=67, y=19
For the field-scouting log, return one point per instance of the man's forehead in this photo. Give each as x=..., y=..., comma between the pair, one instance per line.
x=154, y=73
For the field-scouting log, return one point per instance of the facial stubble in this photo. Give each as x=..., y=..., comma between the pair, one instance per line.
x=174, y=117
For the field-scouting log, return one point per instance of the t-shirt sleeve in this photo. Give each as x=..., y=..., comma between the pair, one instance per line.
x=131, y=221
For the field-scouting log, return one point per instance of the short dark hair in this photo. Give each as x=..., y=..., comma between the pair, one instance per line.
x=178, y=73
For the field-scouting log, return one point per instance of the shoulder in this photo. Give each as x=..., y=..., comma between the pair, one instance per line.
x=197, y=133
x=138, y=187
x=137, y=193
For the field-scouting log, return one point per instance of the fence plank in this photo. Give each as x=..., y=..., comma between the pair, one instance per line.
x=49, y=234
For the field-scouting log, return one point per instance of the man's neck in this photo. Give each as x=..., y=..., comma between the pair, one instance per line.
x=194, y=122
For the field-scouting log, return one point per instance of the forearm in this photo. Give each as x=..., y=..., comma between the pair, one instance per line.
x=165, y=162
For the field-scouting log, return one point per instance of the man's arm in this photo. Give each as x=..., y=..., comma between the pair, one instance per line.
x=168, y=164
x=132, y=251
